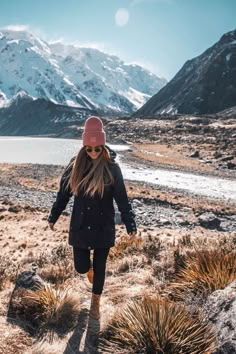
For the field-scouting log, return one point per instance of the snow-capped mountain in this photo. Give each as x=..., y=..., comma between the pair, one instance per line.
x=71, y=76
x=205, y=84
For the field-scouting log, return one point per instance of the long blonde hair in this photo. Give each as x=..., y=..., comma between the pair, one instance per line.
x=89, y=176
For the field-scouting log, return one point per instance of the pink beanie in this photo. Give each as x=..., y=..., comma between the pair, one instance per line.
x=94, y=134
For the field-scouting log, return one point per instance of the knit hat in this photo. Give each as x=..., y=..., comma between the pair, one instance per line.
x=94, y=134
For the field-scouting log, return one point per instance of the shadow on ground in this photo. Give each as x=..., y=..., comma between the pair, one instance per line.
x=85, y=338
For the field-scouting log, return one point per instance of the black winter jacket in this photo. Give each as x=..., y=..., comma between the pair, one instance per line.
x=92, y=222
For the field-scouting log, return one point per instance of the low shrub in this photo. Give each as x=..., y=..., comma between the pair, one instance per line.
x=46, y=311
x=125, y=246
x=156, y=325
x=202, y=272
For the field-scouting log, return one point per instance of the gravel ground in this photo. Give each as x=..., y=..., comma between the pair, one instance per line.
x=149, y=212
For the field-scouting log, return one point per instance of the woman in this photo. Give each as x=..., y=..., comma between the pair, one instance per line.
x=95, y=180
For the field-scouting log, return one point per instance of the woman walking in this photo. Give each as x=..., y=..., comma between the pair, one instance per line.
x=95, y=180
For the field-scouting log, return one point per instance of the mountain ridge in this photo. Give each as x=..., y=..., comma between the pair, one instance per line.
x=205, y=84
x=72, y=76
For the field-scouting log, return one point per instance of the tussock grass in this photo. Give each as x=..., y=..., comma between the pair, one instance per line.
x=58, y=255
x=55, y=266
x=156, y=325
x=203, y=271
x=8, y=271
x=152, y=247
x=57, y=274
x=131, y=263
x=46, y=311
x=125, y=245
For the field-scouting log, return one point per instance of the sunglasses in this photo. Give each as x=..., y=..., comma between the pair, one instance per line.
x=96, y=149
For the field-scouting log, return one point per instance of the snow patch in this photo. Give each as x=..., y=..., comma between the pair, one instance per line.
x=3, y=99
x=16, y=41
x=68, y=81
x=73, y=104
x=136, y=97
x=170, y=110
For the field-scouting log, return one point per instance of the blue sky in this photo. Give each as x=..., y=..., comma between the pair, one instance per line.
x=159, y=34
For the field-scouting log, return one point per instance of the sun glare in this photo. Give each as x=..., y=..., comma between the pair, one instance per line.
x=122, y=17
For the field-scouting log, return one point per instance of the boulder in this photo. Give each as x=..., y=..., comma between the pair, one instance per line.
x=29, y=280
x=220, y=309
x=26, y=280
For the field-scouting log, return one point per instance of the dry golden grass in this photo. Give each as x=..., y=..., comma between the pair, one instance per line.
x=46, y=311
x=57, y=274
x=130, y=263
x=7, y=271
x=168, y=155
x=152, y=247
x=202, y=272
x=57, y=255
x=15, y=341
x=156, y=325
x=125, y=245
x=54, y=266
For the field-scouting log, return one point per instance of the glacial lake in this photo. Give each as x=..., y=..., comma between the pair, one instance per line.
x=59, y=152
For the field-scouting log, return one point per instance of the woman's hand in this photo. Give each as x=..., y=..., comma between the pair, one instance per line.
x=135, y=237
x=51, y=225
x=133, y=234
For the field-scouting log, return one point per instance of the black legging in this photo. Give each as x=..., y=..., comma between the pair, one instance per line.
x=82, y=264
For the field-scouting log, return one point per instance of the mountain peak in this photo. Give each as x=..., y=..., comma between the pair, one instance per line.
x=228, y=37
x=205, y=84
x=17, y=35
x=14, y=34
x=72, y=76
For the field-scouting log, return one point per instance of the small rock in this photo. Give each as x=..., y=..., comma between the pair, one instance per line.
x=217, y=154
x=14, y=209
x=231, y=166
x=209, y=221
x=227, y=158
x=163, y=221
x=182, y=222
x=195, y=154
x=136, y=201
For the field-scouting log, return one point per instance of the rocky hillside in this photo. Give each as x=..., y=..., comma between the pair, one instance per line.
x=205, y=84
x=26, y=116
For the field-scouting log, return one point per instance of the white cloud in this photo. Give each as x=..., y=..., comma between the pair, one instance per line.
x=16, y=28
x=121, y=17
x=95, y=45
x=56, y=41
x=101, y=46
x=38, y=32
